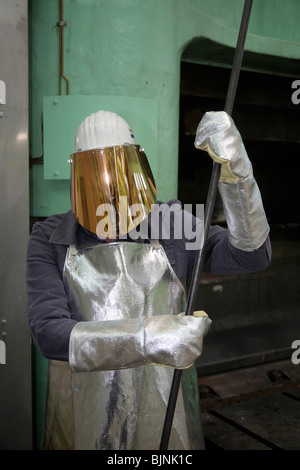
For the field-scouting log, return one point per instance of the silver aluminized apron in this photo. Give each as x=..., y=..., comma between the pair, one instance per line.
x=121, y=409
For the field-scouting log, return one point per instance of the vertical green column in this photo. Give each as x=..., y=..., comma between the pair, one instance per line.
x=114, y=48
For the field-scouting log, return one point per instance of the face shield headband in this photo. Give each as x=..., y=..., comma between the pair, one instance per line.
x=112, y=189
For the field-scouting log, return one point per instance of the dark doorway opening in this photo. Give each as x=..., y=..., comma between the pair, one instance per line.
x=256, y=316
x=270, y=127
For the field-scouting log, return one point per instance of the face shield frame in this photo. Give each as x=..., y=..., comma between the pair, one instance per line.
x=112, y=189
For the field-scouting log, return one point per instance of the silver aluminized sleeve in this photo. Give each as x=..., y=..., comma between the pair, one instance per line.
x=245, y=216
x=168, y=340
x=246, y=220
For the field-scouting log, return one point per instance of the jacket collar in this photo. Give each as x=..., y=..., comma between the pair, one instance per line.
x=69, y=232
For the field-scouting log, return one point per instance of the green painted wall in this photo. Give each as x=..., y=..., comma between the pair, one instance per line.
x=134, y=48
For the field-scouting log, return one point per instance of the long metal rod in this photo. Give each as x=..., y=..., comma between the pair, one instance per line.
x=209, y=208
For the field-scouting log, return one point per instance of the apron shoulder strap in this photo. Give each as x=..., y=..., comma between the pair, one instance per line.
x=73, y=250
x=155, y=244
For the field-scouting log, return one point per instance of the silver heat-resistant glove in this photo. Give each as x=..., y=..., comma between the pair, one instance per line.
x=166, y=340
x=245, y=216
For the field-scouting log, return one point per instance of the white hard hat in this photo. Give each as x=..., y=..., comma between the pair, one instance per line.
x=103, y=129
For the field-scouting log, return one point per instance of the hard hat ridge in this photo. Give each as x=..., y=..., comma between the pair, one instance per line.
x=103, y=129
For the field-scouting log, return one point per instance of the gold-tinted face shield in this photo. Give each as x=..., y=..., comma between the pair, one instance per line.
x=112, y=189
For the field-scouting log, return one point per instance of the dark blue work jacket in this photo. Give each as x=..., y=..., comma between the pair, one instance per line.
x=52, y=309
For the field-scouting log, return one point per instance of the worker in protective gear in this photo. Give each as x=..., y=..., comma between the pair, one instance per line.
x=107, y=308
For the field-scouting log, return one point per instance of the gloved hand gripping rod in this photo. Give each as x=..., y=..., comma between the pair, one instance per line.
x=209, y=207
